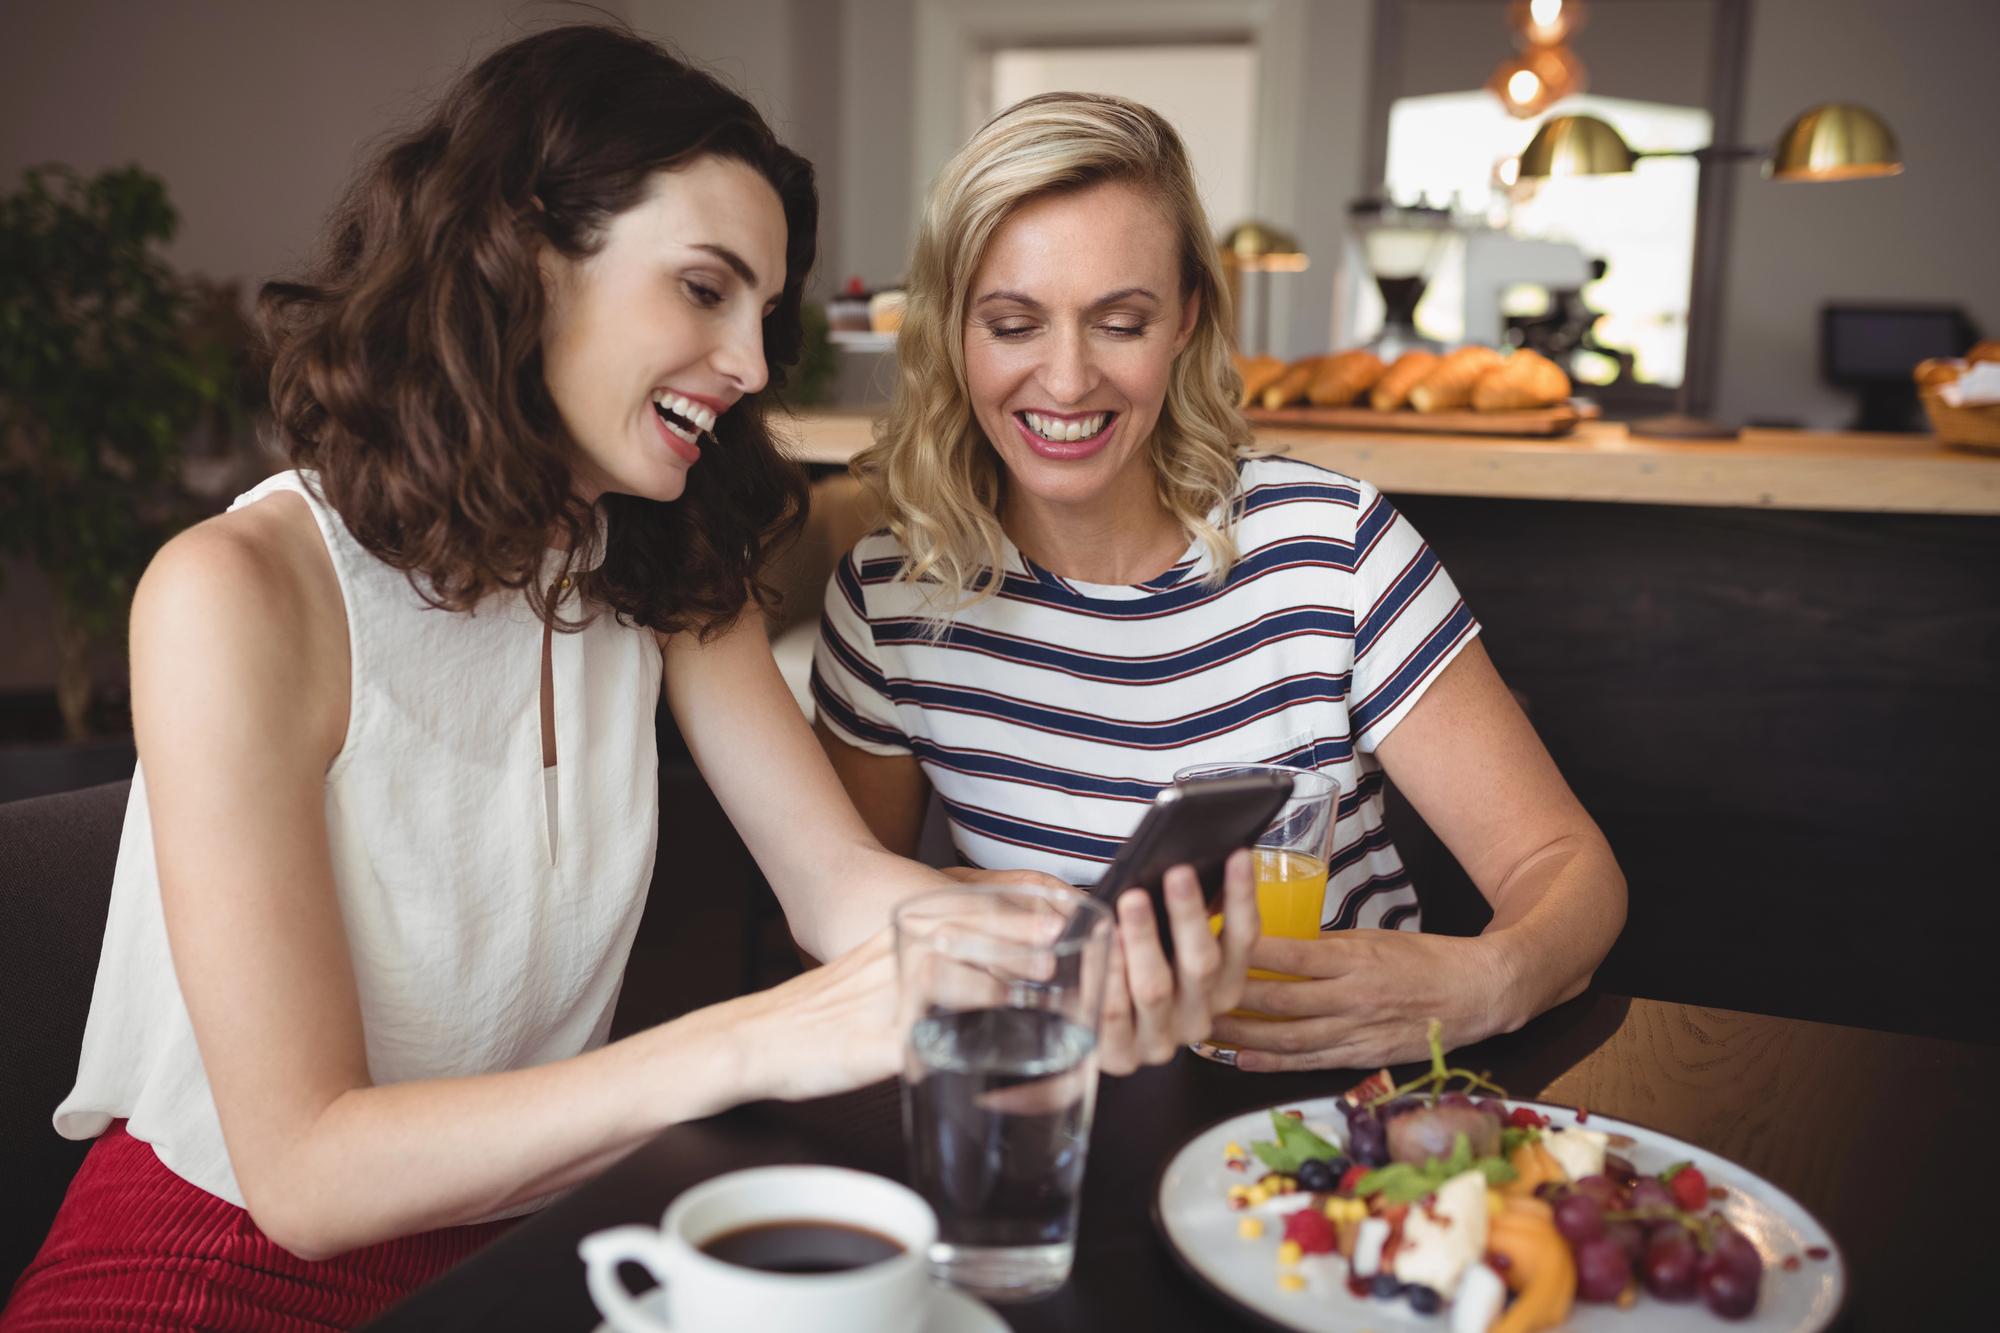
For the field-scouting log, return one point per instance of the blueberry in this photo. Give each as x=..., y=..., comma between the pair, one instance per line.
x=1386, y=1286
x=1422, y=1299
x=1316, y=1176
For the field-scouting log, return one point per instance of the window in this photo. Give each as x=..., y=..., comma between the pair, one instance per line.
x=1207, y=91
x=1460, y=146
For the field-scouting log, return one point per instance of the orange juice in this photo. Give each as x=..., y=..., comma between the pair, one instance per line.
x=1291, y=893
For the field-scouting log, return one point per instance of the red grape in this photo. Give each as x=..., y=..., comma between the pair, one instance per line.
x=1670, y=1263
x=1728, y=1292
x=1579, y=1219
x=1603, y=1269
x=1649, y=1194
x=1733, y=1249
x=1630, y=1236
x=1603, y=1189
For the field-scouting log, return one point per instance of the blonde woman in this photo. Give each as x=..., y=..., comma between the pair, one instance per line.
x=1085, y=584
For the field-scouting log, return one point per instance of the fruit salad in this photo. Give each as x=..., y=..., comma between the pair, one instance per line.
x=1456, y=1203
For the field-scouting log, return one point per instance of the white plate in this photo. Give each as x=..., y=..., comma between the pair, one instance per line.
x=952, y=1311
x=1191, y=1210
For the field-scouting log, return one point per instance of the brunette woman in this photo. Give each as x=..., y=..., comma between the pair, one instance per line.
x=1087, y=581
x=396, y=808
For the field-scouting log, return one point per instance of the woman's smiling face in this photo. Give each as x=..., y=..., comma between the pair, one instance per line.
x=661, y=331
x=1076, y=316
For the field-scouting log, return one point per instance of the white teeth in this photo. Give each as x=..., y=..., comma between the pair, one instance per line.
x=702, y=418
x=1055, y=428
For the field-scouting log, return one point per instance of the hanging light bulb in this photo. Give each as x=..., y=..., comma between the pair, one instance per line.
x=1545, y=22
x=1530, y=83
x=1546, y=71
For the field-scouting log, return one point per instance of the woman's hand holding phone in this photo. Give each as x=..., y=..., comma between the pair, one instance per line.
x=1153, y=1007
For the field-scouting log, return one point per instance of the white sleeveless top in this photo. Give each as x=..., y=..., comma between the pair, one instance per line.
x=480, y=941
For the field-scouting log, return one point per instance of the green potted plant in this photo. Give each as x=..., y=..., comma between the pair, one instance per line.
x=101, y=378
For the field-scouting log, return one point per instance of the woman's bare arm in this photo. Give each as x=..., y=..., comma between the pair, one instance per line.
x=838, y=883
x=836, y=879
x=1472, y=766
x=889, y=790
x=240, y=686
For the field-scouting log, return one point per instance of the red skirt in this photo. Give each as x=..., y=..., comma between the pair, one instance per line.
x=135, y=1248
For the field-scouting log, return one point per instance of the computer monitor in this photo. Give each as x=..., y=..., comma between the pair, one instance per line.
x=1874, y=349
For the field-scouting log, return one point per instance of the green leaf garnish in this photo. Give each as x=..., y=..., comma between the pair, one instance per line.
x=1296, y=1145
x=1400, y=1182
x=1511, y=1138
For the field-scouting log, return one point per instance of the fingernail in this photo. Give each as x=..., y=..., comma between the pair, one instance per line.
x=1222, y=1055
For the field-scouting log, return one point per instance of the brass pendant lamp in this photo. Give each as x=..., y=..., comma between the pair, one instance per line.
x=1833, y=142
x=1837, y=141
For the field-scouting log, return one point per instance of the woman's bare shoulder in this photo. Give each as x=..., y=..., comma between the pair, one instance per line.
x=266, y=561
x=246, y=606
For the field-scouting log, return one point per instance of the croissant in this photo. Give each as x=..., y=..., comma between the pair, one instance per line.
x=1345, y=377
x=1930, y=374
x=1984, y=351
x=1449, y=385
x=1525, y=379
x=1291, y=386
x=1258, y=375
x=1393, y=389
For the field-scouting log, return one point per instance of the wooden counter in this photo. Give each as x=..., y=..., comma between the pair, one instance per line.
x=1767, y=469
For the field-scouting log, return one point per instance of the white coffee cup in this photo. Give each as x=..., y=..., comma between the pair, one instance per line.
x=704, y=1294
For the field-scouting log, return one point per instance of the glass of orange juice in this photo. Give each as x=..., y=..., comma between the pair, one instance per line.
x=1291, y=860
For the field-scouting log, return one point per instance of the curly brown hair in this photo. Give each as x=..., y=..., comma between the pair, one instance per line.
x=407, y=366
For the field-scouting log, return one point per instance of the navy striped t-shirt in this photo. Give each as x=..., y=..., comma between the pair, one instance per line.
x=1048, y=716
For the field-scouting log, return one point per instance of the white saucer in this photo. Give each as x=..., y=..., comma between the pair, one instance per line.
x=952, y=1311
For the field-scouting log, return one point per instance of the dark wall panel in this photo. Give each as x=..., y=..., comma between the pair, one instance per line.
x=1785, y=723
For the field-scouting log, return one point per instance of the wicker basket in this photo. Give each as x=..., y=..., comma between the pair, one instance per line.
x=1969, y=427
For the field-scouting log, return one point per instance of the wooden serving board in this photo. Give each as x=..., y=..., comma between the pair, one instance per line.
x=1539, y=421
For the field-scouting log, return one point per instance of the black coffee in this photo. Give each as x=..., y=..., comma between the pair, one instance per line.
x=802, y=1247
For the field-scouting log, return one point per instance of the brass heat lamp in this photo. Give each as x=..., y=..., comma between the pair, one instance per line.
x=1834, y=142
x=1260, y=248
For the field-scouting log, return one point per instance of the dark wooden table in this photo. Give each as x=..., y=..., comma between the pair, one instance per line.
x=1886, y=1138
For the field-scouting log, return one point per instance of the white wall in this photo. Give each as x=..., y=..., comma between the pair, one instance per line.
x=254, y=113
x=1927, y=67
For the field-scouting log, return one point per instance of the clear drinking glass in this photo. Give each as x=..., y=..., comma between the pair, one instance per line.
x=1000, y=990
x=1291, y=864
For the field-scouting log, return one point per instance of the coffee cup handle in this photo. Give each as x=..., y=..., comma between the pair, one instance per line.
x=602, y=1252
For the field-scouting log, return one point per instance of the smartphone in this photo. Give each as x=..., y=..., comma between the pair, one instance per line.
x=1197, y=823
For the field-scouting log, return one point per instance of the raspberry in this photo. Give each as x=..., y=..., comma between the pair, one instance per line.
x=1353, y=1175
x=1690, y=1188
x=1311, y=1229
x=1524, y=1117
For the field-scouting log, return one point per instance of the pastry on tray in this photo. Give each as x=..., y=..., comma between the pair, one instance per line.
x=1393, y=389
x=1343, y=378
x=1525, y=379
x=1449, y=385
x=1291, y=386
x=1257, y=374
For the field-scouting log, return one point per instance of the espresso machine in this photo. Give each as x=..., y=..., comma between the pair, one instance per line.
x=1403, y=246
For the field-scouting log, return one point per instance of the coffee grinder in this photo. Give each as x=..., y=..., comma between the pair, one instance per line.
x=1402, y=245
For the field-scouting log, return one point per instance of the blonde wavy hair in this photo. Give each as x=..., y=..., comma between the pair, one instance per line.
x=931, y=470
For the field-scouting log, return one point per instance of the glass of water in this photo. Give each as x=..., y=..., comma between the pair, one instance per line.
x=1000, y=990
